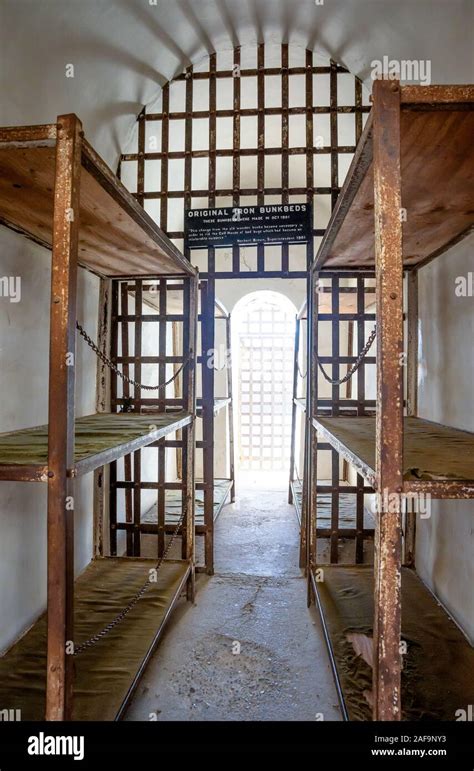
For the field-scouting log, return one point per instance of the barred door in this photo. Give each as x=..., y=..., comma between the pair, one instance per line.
x=265, y=382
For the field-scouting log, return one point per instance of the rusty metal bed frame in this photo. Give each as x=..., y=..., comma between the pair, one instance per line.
x=374, y=184
x=63, y=196
x=347, y=298
x=146, y=293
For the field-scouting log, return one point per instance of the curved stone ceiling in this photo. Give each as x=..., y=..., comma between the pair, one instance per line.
x=123, y=51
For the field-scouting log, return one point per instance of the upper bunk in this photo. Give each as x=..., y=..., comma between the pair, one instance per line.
x=437, y=459
x=116, y=236
x=98, y=440
x=437, y=190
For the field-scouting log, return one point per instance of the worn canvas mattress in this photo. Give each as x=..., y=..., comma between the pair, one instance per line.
x=103, y=673
x=438, y=670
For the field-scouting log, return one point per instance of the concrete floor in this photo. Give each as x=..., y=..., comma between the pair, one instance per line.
x=256, y=604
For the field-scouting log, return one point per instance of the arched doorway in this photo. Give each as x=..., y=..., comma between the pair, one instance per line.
x=264, y=324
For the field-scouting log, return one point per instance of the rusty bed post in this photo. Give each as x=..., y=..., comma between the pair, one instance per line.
x=191, y=285
x=409, y=540
x=312, y=410
x=293, y=409
x=101, y=475
x=389, y=420
x=60, y=549
x=207, y=388
x=304, y=500
x=230, y=407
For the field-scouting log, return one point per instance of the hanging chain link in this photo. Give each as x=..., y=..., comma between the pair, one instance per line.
x=139, y=594
x=356, y=364
x=120, y=616
x=109, y=363
x=299, y=371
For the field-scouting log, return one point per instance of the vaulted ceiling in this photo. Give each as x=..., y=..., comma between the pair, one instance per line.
x=124, y=50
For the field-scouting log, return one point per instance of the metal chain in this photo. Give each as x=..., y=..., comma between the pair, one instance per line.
x=120, y=616
x=109, y=363
x=356, y=364
x=299, y=371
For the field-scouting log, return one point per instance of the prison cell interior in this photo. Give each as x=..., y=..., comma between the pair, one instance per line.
x=228, y=183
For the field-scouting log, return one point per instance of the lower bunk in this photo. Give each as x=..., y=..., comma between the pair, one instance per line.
x=174, y=505
x=438, y=665
x=106, y=673
x=347, y=515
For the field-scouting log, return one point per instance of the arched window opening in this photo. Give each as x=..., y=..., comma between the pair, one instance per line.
x=264, y=324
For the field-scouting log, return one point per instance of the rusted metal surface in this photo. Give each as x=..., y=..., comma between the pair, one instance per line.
x=141, y=158
x=285, y=129
x=165, y=138
x=189, y=439
x=441, y=489
x=162, y=403
x=207, y=379
x=389, y=416
x=307, y=463
x=60, y=550
x=260, y=145
x=313, y=410
x=250, y=72
x=127, y=461
x=230, y=408
x=411, y=400
x=28, y=473
x=296, y=350
x=136, y=402
x=31, y=136
x=236, y=113
x=102, y=405
x=435, y=96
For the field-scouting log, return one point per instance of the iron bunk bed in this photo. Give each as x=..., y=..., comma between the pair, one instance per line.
x=342, y=299
x=414, y=138
x=211, y=493
x=82, y=659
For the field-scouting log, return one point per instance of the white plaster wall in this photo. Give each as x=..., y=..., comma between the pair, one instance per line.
x=445, y=541
x=24, y=347
x=123, y=50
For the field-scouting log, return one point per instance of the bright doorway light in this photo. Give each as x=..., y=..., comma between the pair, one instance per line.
x=264, y=325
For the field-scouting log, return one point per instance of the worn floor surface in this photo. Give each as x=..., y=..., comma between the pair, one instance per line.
x=249, y=649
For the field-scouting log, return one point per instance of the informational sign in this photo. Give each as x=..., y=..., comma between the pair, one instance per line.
x=246, y=225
